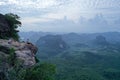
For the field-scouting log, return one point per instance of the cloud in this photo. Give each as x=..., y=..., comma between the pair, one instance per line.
x=73, y=9
x=96, y=24
x=30, y=3
x=42, y=12
x=30, y=20
x=2, y=3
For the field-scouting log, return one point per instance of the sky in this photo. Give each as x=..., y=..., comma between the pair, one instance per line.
x=65, y=15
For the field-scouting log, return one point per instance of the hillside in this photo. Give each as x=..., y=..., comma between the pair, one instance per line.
x=88, y=57
x=51, y=45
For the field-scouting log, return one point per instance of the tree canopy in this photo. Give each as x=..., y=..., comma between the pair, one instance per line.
x=14, y=22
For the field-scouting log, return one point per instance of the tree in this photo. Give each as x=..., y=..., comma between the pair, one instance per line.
x=43, y=71
x=14, y=23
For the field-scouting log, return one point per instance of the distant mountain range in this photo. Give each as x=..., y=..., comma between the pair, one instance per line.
x=112, y=37
x=51, y=44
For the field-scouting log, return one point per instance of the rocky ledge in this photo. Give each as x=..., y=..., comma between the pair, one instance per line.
x=23, y=51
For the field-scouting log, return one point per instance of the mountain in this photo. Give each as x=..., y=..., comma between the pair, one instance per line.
x=100, y=41
x=72, y=38
x=88, y=38
x=32, y=36
x=51, y=45
x=86, y=56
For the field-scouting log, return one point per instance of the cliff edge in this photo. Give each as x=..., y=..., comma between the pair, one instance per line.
x=22, y=51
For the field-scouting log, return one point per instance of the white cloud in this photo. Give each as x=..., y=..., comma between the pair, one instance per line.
x=38, y=11
x=33, y=20
x=2, y=3
x=31, y=3
x=77, y=8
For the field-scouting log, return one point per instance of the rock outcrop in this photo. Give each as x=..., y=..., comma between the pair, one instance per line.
x=23, y=51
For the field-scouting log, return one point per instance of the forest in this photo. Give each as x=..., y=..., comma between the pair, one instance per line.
x=80, y=56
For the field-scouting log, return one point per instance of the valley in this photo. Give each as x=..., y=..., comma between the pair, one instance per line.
x=82, y=56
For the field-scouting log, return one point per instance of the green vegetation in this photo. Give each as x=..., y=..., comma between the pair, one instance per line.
x=86, y=65
x=17, y=71
x=37, y=60
x=52, y=45
x=8, y=26
x=14, y=23
x=44, y=71
x=11, y=68
x=11, y=57
x=96, y=59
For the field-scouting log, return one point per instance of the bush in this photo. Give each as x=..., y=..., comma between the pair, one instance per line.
x=43, y=71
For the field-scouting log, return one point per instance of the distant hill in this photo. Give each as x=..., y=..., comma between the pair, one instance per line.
x=51, y=45
x=77, y=56
x=73, y=38
x=32, y=36
x=100, y=41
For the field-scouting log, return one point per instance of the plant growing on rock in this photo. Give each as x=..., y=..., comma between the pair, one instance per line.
x=14, y=23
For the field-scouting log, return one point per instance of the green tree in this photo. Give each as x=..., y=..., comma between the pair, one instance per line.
x=43, y=71
x=14, y=23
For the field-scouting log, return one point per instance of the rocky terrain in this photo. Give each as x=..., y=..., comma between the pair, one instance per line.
x=25, y=52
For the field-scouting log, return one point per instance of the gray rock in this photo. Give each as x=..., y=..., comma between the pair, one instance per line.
x=23, y=51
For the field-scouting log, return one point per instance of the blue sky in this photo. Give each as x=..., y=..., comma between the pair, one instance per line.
x=65, y=15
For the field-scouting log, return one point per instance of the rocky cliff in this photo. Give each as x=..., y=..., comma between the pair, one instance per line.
x=13, y=51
